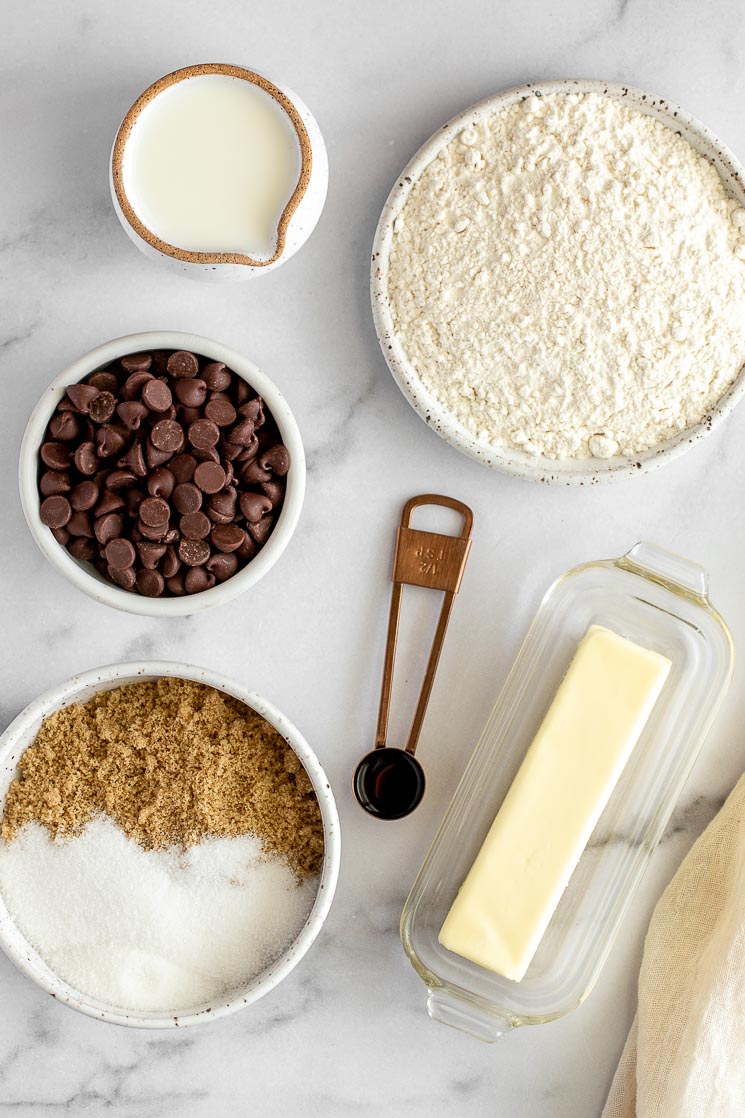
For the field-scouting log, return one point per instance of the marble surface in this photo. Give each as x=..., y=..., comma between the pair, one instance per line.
x=347, y=1033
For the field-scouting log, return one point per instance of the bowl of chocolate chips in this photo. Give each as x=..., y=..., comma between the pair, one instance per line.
x=162, y=473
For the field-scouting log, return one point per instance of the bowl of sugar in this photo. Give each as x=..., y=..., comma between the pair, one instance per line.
x=170, y=844
x=218, y=172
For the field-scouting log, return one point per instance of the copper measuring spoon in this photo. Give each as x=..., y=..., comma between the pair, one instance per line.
x=389, y=782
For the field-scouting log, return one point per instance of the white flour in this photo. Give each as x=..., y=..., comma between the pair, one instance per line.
x=568, y=278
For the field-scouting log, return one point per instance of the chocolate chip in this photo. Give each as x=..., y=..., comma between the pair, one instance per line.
x=53, y=482
x=221, y=412
x=223, y=505
x=83, y=549
x=136, y=361
x=170, y=564
x=102, y=407
x=85, y=458
x=253, y=473
x=216, y=376
x=55, y=512
x=120, y=479
x=248, y=549
x=82, y=396
x=209, y=477
x=119, y=553
x=274, y=491
x=155, y=532
x=64, y=426
x=261, y=531
x=157, y=396
x=227, y=537
x=123, y=576
x=104, y=381
x=204, y=433
x=150, y=583
x=190, y=393
x=254, y=410
x=242, y=391
x=84, y=495
x=80, y=524
x=133, y=498
x=254, y=505
x=150, y=553
x=182, y=467
x=134, y=460
x=131, y=413
x=277, y=460
x=187, y=498
x=134, y=385
x=108, y=527
x=155, y=457
x=208, y=454
x=243, y=432
x=109, y=502
x=61, y=535
x=222, y=566
x=175, y=585
x=193, y=552
x=195, y=526
x=230, y=450
x=108, y=442
x=197, y=580
x=161, y=482
x=182, y=365
x=55, y=455
x=167, y=435
x=155, y=512
x=250, y=450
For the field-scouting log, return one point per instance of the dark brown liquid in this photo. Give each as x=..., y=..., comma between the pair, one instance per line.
x=389, y=783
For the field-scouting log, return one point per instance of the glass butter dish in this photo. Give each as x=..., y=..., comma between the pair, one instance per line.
x=659, y=601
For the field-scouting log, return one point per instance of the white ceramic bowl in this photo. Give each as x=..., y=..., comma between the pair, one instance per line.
x=300, y=216
x=22, y=732
x=514, y=462
x=84, y=575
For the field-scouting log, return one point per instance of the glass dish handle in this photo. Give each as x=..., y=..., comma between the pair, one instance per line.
x=451, y=1008
x=678, y=573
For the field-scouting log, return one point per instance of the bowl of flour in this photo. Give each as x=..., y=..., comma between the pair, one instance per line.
x=558, y=281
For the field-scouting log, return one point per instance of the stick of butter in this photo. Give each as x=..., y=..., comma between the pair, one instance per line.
x=513, y=887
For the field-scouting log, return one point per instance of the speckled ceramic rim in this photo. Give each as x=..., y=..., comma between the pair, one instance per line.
x=513, y=462
x=80, y=688
x=130, y=120
x=84, y=575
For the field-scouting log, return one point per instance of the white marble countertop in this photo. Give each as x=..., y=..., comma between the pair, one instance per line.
x=347, y=1033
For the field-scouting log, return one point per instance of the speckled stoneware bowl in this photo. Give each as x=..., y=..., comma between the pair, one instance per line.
x=520, y=464
x=84, y=575
x=298, y=219
x=22, y=732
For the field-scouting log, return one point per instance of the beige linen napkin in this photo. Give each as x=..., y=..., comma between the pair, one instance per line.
x=685, y=1054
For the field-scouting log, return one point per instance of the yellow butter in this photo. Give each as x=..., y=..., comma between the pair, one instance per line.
x=516, y=881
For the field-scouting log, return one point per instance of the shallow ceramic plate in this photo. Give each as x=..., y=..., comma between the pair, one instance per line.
x=569, y=471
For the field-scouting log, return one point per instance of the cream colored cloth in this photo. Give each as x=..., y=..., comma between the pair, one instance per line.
x=685, y=1054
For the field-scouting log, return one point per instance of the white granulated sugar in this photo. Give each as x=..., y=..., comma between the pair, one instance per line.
x=567, y=278
x=151, y=930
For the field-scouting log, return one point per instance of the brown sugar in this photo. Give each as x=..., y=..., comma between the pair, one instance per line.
x=171, y=762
